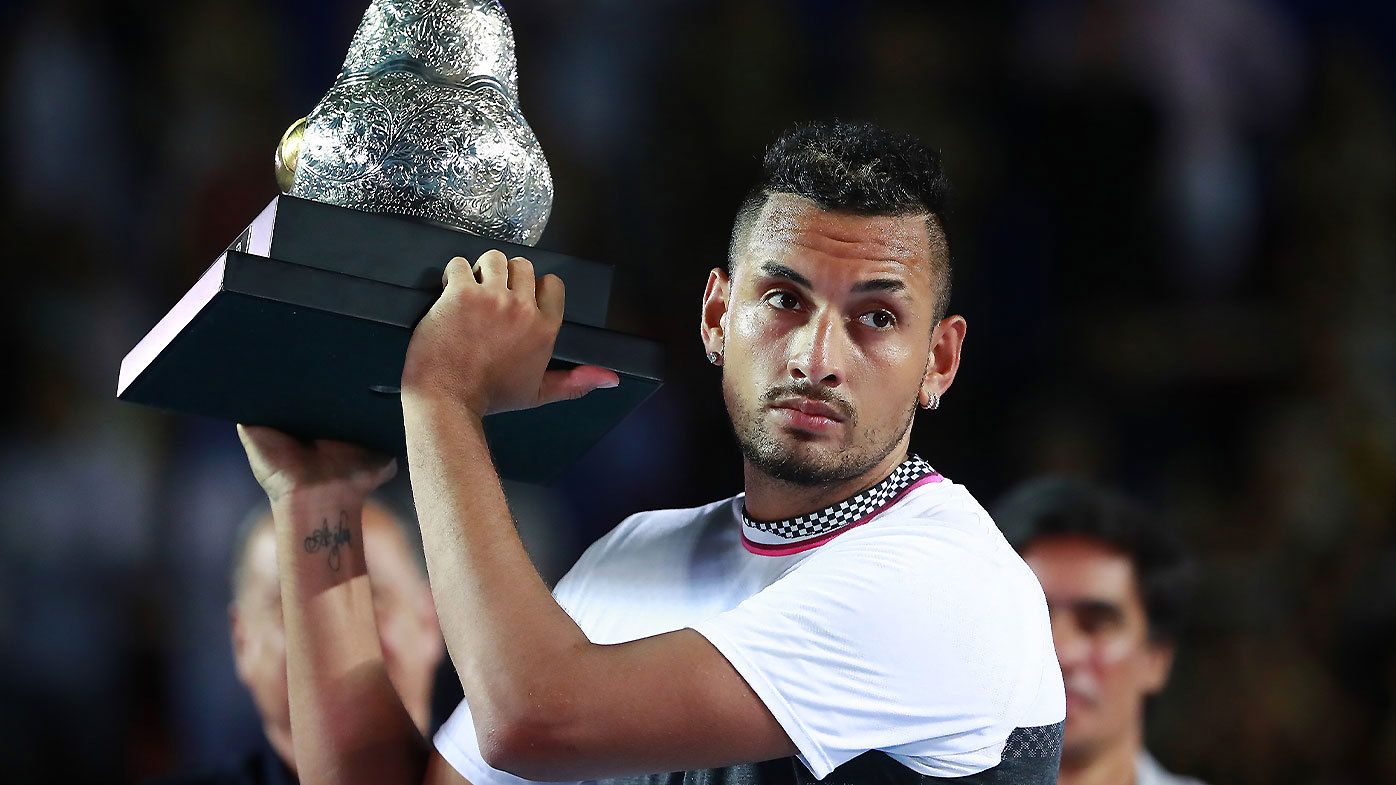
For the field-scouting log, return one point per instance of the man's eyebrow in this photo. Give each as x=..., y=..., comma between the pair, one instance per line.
x=1088, y=604
x=1098, y=607
x=776, y=270
x=879, y=285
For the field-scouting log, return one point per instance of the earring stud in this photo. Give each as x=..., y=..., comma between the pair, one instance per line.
x=714, y=358
x=932, y=402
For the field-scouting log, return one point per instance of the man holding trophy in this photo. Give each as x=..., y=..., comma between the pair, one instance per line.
x=853, y=616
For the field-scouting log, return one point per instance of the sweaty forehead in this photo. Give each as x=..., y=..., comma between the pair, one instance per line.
x=790, y=224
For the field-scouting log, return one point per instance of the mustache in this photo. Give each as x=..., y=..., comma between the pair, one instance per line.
x=814, y=392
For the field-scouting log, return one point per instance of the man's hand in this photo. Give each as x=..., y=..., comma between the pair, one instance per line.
x=487, y=340
x=283, y=464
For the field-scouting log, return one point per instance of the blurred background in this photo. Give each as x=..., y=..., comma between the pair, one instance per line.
x=1173, y=236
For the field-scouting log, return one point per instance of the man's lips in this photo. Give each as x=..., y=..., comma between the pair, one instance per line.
x=811, y=408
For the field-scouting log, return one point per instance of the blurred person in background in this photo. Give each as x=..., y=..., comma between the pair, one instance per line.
x=1116, y=583
x=407, y=630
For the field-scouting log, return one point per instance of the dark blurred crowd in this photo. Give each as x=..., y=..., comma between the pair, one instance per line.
x=1173, y=233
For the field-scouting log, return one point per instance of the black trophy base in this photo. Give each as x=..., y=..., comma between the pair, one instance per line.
x=319, y=354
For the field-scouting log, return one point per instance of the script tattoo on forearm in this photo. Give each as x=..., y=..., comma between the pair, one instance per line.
x=330, y=540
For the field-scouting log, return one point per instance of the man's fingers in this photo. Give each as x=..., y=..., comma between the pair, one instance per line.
x=572, y=383
x=459, y=270
x=521, y=277
x=551, y=295
x=492, y=269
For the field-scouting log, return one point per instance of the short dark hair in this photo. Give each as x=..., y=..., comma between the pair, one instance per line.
x=1060, y=506
x=860, y=168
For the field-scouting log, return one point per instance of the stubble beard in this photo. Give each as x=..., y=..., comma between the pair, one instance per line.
x=780, y=457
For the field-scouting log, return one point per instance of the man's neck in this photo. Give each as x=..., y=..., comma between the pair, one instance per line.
x=770, y=499
x=1114, y=765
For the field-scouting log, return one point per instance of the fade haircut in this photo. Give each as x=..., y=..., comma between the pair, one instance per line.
x=859, y=168
x=1058, y=506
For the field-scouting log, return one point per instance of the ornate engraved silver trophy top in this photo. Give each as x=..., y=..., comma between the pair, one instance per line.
x=424, y=121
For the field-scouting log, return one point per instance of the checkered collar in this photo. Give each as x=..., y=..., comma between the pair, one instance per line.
x=793, y=535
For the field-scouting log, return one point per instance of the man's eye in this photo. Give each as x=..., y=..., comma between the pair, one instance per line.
x=1097, y=622
x=878, y=320
x=783, y=301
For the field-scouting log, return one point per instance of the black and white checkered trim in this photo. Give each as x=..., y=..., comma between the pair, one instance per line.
x=850, y=510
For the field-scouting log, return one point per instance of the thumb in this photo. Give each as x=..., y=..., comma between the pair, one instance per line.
x=260, y=441
x=573, y=383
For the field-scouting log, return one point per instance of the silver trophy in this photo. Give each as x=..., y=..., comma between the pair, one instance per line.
x=417, y=153
x=424, y=121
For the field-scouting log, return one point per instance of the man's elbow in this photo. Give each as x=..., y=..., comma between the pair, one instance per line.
x=534, y=746
x=537, y=728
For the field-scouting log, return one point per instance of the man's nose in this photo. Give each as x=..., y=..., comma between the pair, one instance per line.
x=817, y=351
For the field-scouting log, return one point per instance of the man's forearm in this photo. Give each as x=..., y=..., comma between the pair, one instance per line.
x=348, y=724
x=510, y=641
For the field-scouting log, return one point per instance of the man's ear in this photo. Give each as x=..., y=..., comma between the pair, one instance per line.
x=946, y=341
x=712, y=328
x=1158, y=663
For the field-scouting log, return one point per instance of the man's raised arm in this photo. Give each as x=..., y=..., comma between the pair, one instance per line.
x=348, y=723
x=546, y=703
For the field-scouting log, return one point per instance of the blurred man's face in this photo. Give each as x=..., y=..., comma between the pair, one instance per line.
x=407, y=626
x=1101, y=634
x=826, y=338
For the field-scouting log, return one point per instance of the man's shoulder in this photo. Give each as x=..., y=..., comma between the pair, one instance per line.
x=941, y=549
x=647, y=537
x=944, y=502
x=938, y=522
x=648, y=561
x=664, y=525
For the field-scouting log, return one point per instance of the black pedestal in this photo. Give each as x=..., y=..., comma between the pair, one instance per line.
x=314, y=344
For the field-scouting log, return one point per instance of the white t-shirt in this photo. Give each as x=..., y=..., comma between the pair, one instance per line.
x=919, y=632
